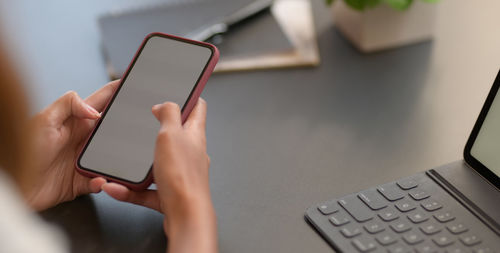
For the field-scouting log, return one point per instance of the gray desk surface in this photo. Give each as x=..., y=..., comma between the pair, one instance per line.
x=279, y=140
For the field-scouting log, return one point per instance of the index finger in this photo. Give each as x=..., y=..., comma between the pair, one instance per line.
x=100, y=98
x=169, y=114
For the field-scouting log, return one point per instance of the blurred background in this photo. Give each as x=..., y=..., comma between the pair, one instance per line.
x=368, y=110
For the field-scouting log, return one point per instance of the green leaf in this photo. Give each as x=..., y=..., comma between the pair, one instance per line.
x=400, y=5
x=356, y=4
x=361, y=5
x=373, y=3
x=329, y=2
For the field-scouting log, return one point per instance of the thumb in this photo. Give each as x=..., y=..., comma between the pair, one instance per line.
x=85, y=185
x=70, y=104
x=147, y=198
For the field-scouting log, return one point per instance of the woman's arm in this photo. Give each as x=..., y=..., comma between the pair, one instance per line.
x=192, y=228
x=181, y=175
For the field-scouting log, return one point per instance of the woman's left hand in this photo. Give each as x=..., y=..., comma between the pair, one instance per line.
x=59, y=131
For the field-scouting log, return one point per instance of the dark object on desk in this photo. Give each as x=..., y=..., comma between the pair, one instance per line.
x=122, y=31
x=241, y=40
x=452, y=208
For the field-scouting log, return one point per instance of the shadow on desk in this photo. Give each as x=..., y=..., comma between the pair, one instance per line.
x=109, y=232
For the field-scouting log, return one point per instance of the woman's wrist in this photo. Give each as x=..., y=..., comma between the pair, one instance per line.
x=31, y=198
x=201, y=217
x=194, y=231
x=187, y=209
x=186, y=212
x=191, y=222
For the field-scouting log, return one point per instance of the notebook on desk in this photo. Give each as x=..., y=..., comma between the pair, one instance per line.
x=123, y=31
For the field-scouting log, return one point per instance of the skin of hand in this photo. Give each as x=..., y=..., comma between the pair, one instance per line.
x=59, y=131
x=181, y=172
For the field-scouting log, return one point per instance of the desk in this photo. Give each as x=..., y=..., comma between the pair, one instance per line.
x=281, y=140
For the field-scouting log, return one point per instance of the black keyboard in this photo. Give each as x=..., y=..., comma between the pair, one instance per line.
x=410, y=215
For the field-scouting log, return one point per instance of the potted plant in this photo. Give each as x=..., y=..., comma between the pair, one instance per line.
x=373, y=25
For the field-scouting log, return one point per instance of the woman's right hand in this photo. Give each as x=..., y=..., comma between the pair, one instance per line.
x=181, y=175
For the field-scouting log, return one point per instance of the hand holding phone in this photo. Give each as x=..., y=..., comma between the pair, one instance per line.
x=165, y=68
x=57, y=133
x=181, y=174
x=181, y=162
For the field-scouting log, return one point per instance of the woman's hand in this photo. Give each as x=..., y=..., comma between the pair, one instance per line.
x=59, y=131
x=181, y=174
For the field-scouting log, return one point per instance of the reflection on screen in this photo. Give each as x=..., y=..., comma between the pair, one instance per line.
x=123, y=146
x=486, y=148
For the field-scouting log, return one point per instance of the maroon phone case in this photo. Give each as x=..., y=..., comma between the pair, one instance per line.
x=188, y=107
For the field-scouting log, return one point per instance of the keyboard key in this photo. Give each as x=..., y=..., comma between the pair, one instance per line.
x=328, y=207
x=407, y=183
x=413, y=237
x=374, y=227
x=426, y=248
x=431, y=205
x=399, y=248
x=373, y=199
x=469, y=239
x=400, y=226
x=444, y=216
x=350, y=231
x=364, y=244
x=418, y=194
x=356, y=208
x=405, y=206
x=339, y=219
x=418, y=217
x=430, y=228
x=443, y=239
x=456, y=228
x=386, y=238
x=391, y=191
x=388, y=214
x=456, y=249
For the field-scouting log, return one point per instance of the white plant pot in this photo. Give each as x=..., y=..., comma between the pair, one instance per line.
x=383, y=27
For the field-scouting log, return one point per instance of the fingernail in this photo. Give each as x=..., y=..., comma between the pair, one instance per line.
x=156, y=107
x=93, y=111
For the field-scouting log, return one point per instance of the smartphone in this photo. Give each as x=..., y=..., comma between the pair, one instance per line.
x=165, y=68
